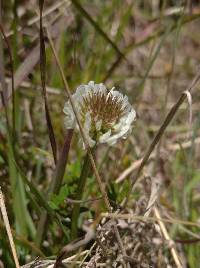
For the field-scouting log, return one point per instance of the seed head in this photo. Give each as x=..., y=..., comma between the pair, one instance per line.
x=105, y=115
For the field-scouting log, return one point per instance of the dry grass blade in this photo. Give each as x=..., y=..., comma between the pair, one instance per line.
x=159, y=134
x=8, y=229
x=150, y=219
x=156, y=183
x=189, y=98
x=167, y=237
x=130, y=169
x=184, y=145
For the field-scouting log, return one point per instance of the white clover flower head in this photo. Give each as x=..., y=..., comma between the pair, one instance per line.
x=106, y=116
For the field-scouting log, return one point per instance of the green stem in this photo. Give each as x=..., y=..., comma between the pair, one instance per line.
x=81, y=185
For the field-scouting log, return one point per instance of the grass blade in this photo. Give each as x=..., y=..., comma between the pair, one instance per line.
x=61, y=164
x=43, y=80
x=42, y=201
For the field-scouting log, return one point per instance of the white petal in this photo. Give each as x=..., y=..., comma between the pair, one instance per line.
x=91, y=84
x=90, y=141
x=126, y=103
x=118, y=126
x=102, y=88
x=69, y=120
x=105, y=136
x=81, y=90
x=131, y=117
x=110, y=93
x=98, y=125
x=117, y=94
x=69, y=123
x=87, y=123
x=113, y=139
x=67, y=108
x=86, y=129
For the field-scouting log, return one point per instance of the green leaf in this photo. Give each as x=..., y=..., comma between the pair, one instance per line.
x=58, y=199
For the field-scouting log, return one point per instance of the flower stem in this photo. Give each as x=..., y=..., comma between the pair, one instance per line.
x=81, y=185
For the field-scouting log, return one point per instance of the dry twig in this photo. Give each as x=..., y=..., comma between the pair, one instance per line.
x=8, y=229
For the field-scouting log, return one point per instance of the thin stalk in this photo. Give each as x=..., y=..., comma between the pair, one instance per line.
x=14, y=60
x=2, y=69
x=61, y=164
x=81, y=185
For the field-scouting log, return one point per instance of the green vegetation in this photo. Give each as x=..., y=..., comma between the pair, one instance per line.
x=148, y=50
